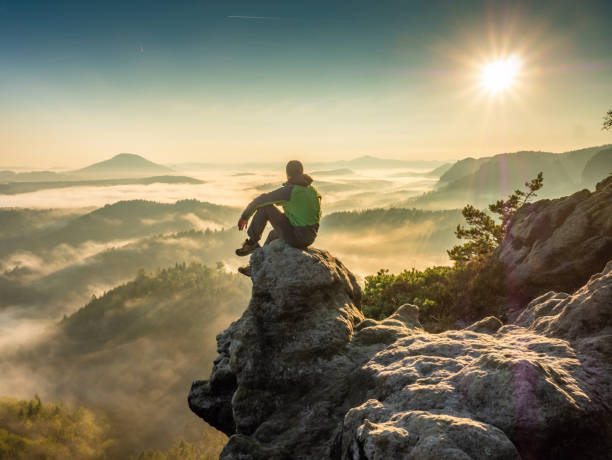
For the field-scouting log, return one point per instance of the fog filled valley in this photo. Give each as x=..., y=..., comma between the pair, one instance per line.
x=116, y=278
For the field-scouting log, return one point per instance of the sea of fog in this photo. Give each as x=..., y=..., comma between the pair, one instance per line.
x=362, y=189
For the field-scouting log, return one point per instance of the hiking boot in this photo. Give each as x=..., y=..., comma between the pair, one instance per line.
x=247, y=248
x=246, y=270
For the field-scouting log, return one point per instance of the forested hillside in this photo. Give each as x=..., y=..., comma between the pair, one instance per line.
x=31, y=429
x=129, y=354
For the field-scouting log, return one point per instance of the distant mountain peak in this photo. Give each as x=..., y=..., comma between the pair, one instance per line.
x=128, y=155
x=124, y=165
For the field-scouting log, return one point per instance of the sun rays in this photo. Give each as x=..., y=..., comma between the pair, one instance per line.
x=500, y=75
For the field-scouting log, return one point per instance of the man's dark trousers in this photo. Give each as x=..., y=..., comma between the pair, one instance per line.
x=299, y=237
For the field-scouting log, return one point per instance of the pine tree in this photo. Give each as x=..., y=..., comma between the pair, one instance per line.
x=483, y=233
x=607, y=123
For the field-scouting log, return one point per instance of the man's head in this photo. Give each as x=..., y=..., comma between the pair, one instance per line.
x=294, y=169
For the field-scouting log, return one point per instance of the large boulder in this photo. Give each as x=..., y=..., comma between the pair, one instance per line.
x=302, y=374
x=540, y=388
x=286, y=349
x=556, y=245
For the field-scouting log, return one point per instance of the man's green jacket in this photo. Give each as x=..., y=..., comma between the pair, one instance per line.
x=300, y=201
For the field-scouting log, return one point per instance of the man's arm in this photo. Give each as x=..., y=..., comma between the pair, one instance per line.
x=280, y=195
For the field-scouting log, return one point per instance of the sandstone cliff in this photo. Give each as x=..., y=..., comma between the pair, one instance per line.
x=302, y=374
x=557, y=244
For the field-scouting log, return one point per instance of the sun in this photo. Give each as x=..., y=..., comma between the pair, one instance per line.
x=500, y=75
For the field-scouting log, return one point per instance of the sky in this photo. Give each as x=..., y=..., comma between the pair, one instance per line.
x=234, y=81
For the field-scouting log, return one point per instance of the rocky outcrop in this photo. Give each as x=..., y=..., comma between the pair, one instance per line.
x=303, y=375
x=281, y=370
x=557, y=244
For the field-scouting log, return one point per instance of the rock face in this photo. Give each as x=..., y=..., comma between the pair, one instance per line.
x=302, y=374
x=281, y=370
x=558, y=244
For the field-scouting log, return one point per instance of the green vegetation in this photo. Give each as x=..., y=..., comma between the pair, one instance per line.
x=444, y=295
x=33, y=430
x=207, y=448
x=484, y=235
x=469, y=290
x=607, y=121
x=125, y=312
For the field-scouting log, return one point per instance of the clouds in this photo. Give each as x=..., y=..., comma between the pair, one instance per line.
x=224, y=187
x=367, y=249
x=16, y=330
x=57, y=257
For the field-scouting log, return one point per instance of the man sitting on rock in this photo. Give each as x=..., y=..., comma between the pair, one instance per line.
x=298, y=225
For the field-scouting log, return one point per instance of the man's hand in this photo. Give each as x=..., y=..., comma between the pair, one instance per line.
x=242, y=224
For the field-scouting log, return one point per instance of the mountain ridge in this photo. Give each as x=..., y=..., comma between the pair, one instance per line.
x=480, y=181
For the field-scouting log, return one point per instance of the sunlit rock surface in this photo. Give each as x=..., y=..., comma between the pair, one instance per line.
x=302, y=375
x=282, y=366
x=558, y=244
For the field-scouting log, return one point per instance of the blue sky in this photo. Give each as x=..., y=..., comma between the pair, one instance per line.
x=195, y=80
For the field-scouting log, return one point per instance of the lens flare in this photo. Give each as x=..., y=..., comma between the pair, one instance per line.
x=500, y=75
